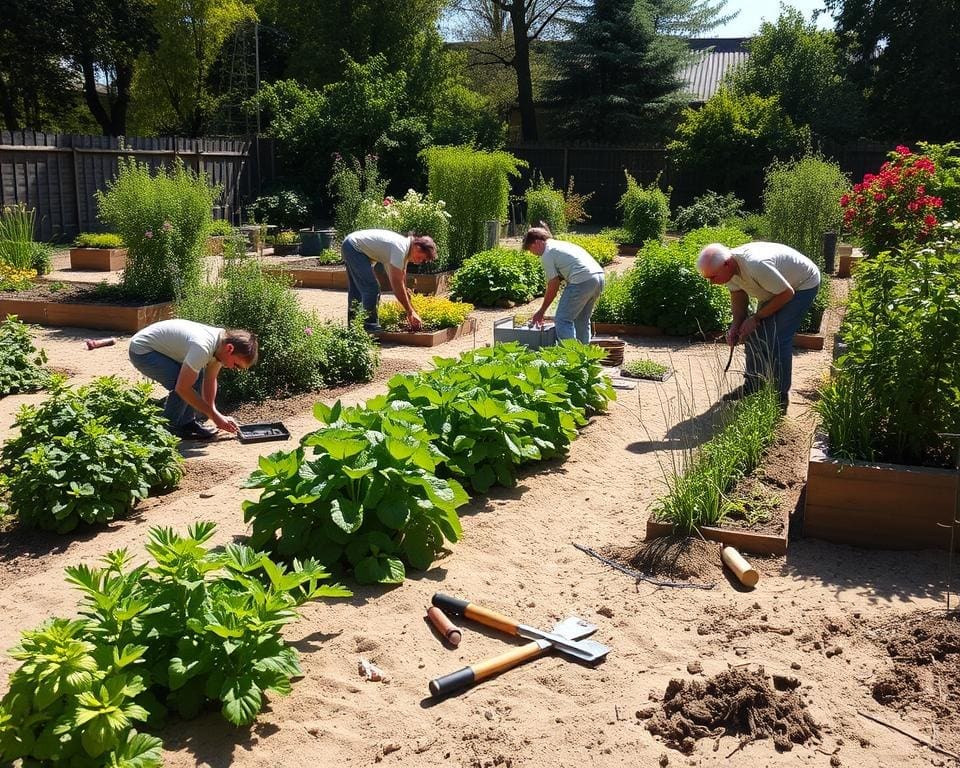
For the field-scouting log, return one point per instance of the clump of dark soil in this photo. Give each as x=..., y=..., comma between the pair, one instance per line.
x=738, y=702
x=674, y=557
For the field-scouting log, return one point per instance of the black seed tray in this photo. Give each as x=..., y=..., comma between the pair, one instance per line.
x=262, y=433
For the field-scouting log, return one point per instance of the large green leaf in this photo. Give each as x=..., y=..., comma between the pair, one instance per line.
x=346, y=514
x=393, y=512
x=380, y=570
x=241, y=699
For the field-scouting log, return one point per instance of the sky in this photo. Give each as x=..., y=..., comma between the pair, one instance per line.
x=754, y=12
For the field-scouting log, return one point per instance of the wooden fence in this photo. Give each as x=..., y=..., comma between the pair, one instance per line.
x=59, y=174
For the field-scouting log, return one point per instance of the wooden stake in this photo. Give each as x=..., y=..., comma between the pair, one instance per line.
x=915, y=737
x=742, y=569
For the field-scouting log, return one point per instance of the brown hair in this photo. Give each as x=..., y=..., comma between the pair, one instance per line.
x=245, y=343
x=534, y=234
x=426, y=243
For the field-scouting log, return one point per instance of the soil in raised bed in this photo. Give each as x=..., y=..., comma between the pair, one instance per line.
x=925, y=676
x=737, y=702
x=307, y=264
x=72, y=293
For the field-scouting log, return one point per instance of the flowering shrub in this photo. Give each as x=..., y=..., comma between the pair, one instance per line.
x=436, y=312
x=413, y=213
x=14, y=279
x=893, y=207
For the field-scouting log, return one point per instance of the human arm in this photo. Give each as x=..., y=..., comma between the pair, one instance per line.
x=738, y=303
x=398, y=281
x=553, y=286
x=749, y=325
x=186, y=380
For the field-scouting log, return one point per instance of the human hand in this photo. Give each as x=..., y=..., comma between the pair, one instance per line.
x=536, y=321
x=748, y=326
x=414, y=321
x=733, y=335
x=226, y=423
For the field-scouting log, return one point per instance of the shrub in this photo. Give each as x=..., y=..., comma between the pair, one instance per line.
x=98, y=240
x=893, y=208
x=946, y=176
x=575, y=205
x=708, y=210
x=499, y=275
x=663, y=289
x=286, y=237
x=87, y=455
x=15, y=279
x=436, y=312
x=475, y=186
x=546, y=204
x=800, y=203
x=17, y=247
x=753, y=224
x=299, y=352
x=646, y=211
x=21, y=365
x=164, y=219
x=351, y=184
x=221, y=228
x=329, y=256
x=413, y=213
x=617, y=234
x=287, y=209
x=603, y=249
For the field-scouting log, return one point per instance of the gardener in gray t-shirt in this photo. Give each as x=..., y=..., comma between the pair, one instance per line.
x=584, y=278
x=362, y=251
x=785, y=283
x=186, y=358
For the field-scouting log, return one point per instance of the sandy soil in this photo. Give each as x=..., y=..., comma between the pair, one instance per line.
x=517, y=556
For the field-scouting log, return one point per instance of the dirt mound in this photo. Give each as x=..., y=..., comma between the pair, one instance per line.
x=737, y=702
x=674, y=557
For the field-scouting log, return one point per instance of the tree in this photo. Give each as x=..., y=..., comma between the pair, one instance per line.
x=904, y=55
x=800, y=64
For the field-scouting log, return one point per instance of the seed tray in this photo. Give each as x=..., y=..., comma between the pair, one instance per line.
x=262, y=433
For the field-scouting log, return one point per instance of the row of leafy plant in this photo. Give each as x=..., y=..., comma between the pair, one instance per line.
x=197, y=628
x=378, y=486
x=21, y=364
x=698, y=484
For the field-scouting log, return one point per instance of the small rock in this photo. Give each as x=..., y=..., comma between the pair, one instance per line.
x=488, y=714
x=835, y=651
x=694, y=667
x=835, y=761
x=206, y=494
x=605, y=611
x=763, y=617
x=664, y=761
x=392, y=747
x=785, y=682
x=741, y=651
x=756, y=606
x=795, y=665
x=645, y=713
x=817, y=645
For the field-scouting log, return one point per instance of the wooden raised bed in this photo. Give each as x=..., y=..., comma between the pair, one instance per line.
x=848, y=264
x=107, y=317
x=335, y=277
x=98, y=259
x=801, y=340
x=744, y=540
x=879, y=506
x=627, y=249
x=428, y=338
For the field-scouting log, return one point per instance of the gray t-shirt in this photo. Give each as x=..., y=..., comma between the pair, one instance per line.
x=182, y=340
x=767, y=269
x=569, y=261
x=383, y=245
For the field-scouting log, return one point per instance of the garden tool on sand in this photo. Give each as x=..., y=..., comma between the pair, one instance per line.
x=566, y=637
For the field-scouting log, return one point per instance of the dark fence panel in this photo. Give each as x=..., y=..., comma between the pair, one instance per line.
x=60, y=174
x=600, y=170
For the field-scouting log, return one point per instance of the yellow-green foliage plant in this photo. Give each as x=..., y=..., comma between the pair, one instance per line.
x=437, y=312
x=603, y=249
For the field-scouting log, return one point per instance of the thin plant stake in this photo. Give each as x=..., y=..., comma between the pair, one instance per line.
x=641, y=576
x=956, y=520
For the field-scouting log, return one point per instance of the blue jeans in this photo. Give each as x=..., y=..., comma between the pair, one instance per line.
x=769, y=349
x=165, y=370
x=575, y=308
x=363, y=288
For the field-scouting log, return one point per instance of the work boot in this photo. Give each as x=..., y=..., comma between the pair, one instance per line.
x=194, y=430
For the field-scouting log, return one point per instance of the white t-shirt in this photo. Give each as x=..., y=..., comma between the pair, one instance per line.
x=569, y=261
x=383, y=245
x=767, y=269
x=182, y=340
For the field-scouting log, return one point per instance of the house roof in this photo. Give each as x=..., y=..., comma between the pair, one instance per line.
x=715, y=56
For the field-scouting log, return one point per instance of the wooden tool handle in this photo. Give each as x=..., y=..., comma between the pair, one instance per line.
x=478, y=613
x=464, y=678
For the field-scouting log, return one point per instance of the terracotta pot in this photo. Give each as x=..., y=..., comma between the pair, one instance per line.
x=614, y=349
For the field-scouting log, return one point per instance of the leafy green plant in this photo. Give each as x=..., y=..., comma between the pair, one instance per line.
x=98, y=240
x=603, y=249
x=617, y=234
x=17, y=248
x=499, y=275
x=164, y=219
x=697, y=490
x=644, y=369
x=72, y=701
x=299, y=352
x=21, y=365
x=546, y=204
x=329, y=256
x=415, y=213
x=286, y=209
x=87, y=455
x=221, y=228
x=286, y=237
x=646, y=210
x=475, y=186
x=801, y=203
x=15, y=279
x=575, y=205
x=436, y=312
x=351, y=184
x=708, y=210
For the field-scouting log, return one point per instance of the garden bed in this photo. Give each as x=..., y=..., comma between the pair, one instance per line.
x=801, y=340
x=74, y=305
x=310, y=273
x=428, y=338
x=877, y=505
x=98, y=259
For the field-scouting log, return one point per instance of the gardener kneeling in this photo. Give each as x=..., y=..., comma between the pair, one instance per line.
x=186, y=357
x=785, y=283
x=362, y=251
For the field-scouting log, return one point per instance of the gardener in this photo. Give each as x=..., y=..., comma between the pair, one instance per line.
x=362, y=251
x=785, y=283
x=584, y=278
x=186, y=358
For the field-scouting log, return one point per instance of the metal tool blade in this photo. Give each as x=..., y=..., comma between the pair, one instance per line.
x=585, y=650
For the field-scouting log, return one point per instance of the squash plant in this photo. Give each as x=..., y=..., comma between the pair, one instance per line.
x=21, y=365
x=86, y=455
x=367, y=496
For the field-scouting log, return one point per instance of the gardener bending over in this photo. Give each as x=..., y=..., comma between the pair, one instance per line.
x=186, y=357
x=584, y=278
x=362, y=251
x=785, y=283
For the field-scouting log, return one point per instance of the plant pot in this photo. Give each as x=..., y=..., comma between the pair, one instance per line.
x=532, y=338
x=614, y=349
x=290, y=249
x=314, y=241
x=848, y=264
